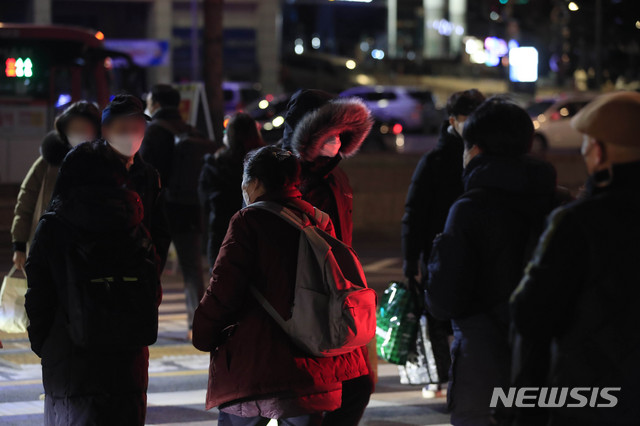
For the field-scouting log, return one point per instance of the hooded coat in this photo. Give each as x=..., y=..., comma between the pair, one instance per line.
x=311, y=120
x=84, y=385
x=145, y=181
x=580, y=295
x=475, y=265
x=36, y=190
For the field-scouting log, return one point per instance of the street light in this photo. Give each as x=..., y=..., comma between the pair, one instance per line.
x=573, y=6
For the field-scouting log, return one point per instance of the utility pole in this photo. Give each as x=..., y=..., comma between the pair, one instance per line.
x=195, y=42
x=599, y=44
x=213, y=63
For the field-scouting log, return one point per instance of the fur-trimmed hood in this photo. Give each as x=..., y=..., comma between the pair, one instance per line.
x=53, y=148
x=349, y=118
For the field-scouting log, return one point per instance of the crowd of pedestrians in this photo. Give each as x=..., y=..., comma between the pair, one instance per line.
x=521, y=284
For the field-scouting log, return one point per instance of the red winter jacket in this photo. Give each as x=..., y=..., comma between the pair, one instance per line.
x=259, y=360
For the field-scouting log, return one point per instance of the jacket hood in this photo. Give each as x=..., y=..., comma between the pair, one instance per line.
x=524, y=175
x=91, y=191
x=101, y=209
x=54, y=148
x=529, y=184
x=349, y=119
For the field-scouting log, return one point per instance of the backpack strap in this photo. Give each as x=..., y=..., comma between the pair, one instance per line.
x=283, y=213
x=267, y=306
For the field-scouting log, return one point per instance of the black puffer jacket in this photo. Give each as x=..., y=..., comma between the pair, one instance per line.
x=435, y=186
x=475, y=265
x=581, y=292
x=83, y=385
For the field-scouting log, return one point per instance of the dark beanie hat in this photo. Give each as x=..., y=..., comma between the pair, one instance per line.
x=124, y=106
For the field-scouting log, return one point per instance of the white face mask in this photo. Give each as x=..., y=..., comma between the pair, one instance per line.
x=126, y=144
x=330, y=147
x=76, y=139
x=459, y=126
x=245, y=197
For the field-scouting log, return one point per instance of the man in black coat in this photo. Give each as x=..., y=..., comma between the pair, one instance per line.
x=479, y=258
x=581, y=289
x=435, y=186
x=123, y=126
x=185, y=219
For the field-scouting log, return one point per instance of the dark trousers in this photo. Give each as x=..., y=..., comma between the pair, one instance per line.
x=355, y=397
x=225, y=419
x=189, y=248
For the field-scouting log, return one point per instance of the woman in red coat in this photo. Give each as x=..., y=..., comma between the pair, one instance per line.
x=256, y=372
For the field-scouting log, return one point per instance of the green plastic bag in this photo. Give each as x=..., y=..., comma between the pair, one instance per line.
x=396, y=324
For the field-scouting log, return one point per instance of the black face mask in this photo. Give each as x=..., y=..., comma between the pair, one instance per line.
x=322, y=166
x=599, y=180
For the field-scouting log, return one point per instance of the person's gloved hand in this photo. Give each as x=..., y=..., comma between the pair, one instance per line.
x=410, y=268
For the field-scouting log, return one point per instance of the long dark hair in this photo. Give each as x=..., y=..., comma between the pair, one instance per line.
x=243, y=136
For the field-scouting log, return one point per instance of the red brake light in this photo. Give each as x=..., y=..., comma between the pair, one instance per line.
x=397, y=129
x=555, y=116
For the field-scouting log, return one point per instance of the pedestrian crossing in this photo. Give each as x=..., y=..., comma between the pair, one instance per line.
x=178, y=375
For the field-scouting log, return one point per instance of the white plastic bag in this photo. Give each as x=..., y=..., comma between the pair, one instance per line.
x=13, y=315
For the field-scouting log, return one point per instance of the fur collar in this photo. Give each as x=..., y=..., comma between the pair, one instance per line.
x=53, y=149
x=349, y=118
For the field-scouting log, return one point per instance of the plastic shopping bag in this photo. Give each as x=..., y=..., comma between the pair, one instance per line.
x=13, y=315
x=397, y=324
x=421, y=367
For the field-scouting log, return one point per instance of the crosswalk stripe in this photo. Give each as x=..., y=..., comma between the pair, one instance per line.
x=380, y=264
x=157, y=399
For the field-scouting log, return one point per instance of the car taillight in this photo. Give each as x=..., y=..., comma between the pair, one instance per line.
x=555, y=116
x=397, y=129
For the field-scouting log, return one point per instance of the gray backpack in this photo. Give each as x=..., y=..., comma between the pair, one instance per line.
x=334, y=312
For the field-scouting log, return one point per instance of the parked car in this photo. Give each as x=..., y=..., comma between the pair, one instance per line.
x=551, y=121
x=237, y=95
x=413, y=108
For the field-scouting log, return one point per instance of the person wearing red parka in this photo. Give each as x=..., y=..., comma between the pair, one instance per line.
x=257, y=373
